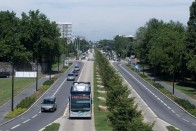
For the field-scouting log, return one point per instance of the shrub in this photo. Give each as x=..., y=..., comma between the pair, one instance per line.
x=171, y=128
x=27, y=102
x=44, y=87
x=186, y=105
x=15, y=113
x=52, y=127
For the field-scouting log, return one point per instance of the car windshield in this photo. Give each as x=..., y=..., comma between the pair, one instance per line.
x=70, y=75
x=47, y=101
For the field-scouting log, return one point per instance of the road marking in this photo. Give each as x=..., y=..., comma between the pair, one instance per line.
x=161, y=101
x=59, y=87
x=173, y=111
x=194, y=124
x=15, y=126
x=169, y=107
x=185, y=120
x=165, y=104
x=26, y=121
x=178, y=115
x=34, y=116
x=67, y=107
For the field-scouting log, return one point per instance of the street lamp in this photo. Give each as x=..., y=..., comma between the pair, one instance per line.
x=37, y=68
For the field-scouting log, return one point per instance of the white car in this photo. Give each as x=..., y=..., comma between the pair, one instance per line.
x=70, y=77
x=77, y=68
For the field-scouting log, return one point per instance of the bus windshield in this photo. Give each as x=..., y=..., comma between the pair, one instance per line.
x=80, y=103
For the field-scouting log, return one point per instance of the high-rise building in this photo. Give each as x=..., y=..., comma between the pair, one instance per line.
x=66, y=31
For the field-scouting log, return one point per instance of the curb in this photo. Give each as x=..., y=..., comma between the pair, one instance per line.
x=32, y=104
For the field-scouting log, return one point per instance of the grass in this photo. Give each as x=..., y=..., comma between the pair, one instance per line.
x=19, y=85
x=101, y=121
x=183, y=103
x=52, y=127
x=171, y=128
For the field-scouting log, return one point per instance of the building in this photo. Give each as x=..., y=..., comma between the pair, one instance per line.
x=66, y=31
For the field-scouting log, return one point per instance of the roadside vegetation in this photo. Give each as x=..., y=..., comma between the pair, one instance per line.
x=101, y=121
x=52, y=127
x=19, y=85
x=27, y=102
x=122, y=111
x=183, y=103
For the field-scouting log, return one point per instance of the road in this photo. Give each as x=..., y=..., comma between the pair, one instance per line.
x=163, y=107
x=80, y=124
x=34, y=120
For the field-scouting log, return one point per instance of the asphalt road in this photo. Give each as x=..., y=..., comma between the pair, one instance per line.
x=80, y=124
x=34, y=120
x=163, y=107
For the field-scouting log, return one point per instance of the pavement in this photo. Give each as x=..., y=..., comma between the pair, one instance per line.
x=6, y=108
x=177, y=92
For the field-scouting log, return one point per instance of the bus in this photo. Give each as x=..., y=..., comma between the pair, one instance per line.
x=80, y=100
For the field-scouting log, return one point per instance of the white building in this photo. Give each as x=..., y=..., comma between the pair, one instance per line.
x=66, y=31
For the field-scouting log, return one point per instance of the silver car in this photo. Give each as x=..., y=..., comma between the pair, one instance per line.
x=70, y=77
x=49, y=104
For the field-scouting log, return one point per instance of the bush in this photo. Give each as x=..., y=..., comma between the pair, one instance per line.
x=44, y=87
x=15, y=113
x=171, y=128
x=186, y=105
x=52, y=127
x=27, y=102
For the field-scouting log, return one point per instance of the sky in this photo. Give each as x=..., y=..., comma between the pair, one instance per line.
x=103, y=19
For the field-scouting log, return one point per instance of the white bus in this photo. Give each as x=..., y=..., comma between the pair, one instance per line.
x=80, y=100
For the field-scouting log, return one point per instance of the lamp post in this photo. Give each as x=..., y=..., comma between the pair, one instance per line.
x=37, y=68
x=12, y=106
x=173, y=68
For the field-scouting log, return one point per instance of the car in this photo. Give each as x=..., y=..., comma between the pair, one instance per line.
x=49, y=104
x=77, y=68
x=70, y=77
x=75, y=72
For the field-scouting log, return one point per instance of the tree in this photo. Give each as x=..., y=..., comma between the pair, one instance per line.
x=191, y=41
x=11, y=48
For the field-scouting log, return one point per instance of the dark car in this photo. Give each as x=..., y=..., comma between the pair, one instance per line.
x=70, y=77
x=49, y=104
x=75, y=72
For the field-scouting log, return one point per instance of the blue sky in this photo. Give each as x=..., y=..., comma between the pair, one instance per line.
x=104, y=19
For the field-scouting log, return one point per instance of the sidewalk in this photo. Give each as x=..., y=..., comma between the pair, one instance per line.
x=6, y=108
x=177, y=92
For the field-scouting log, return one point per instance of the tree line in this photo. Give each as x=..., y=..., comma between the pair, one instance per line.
x=167, y=47
x=123, y=114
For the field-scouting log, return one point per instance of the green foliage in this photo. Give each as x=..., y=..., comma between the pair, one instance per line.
x=171, y=128
x=27, y=102
x=52, y=127
x=44, y=88
x=15, y=113
x=186, y=105
x=191, y=41
x=122, y=110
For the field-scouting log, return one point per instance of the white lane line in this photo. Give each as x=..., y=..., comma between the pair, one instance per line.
x=194, y=124
x=165, y=104
x=178, y=115
x=26, y=120
x=169, y=107
x=158, y=98
x=185, y=120
x=59, y=87
x=161, y=101
x=34, y=116
x=15, y=126
x=173, y=111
